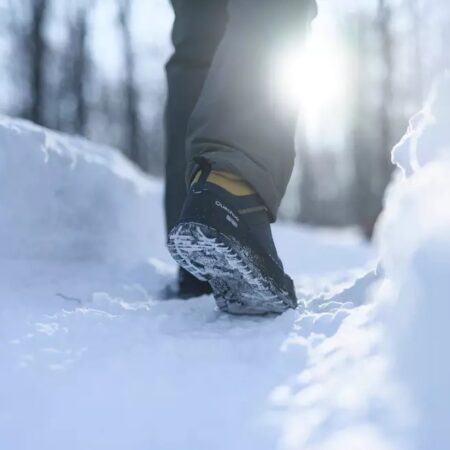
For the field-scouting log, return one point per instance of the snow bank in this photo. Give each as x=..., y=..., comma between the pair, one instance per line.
x=414, y=241
x=377, y=375
x=64, y=198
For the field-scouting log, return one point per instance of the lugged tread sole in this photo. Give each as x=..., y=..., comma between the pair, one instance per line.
x=238, y=284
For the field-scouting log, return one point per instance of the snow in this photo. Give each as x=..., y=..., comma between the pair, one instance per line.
x=92, y=357
x=414, y=241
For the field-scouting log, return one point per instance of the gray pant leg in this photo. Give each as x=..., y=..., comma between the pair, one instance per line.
x=198, y=28
x=238, y=124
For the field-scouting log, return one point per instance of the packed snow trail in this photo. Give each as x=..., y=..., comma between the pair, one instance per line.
x=92, y=358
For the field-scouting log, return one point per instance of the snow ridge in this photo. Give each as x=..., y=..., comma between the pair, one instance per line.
x=65, y=198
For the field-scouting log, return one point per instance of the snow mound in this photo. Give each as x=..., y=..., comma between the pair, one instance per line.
x=64, y=198
x=414, y=242
x=381, y=381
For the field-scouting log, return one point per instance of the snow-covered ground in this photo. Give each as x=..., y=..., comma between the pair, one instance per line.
x=91, y=357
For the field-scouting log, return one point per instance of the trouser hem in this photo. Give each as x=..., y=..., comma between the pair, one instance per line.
x=237, y=162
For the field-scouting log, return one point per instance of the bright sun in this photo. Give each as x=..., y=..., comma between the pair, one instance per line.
x=314, y=76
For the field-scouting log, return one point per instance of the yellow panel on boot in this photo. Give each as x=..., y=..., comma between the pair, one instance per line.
x=232, y=183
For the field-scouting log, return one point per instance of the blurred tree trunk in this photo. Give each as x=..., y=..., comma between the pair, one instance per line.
x=372, y=147
x=307, y=185
x=132, y=133
x=36, y=50
x=386, y=97
x=308, y=199
x=68, y=109
x=363, y=149
x=78, y=36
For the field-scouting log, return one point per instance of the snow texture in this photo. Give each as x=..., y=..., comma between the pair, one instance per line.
x=414, y=242
x=91, y=357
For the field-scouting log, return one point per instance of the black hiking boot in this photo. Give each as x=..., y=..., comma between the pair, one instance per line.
x=224, y=237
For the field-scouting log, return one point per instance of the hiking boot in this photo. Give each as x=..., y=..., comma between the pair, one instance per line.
x=224, y=237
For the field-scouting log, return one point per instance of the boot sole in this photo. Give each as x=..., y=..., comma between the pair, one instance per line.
x=238, y=285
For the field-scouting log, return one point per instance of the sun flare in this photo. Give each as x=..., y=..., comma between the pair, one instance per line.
x=313, y=76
